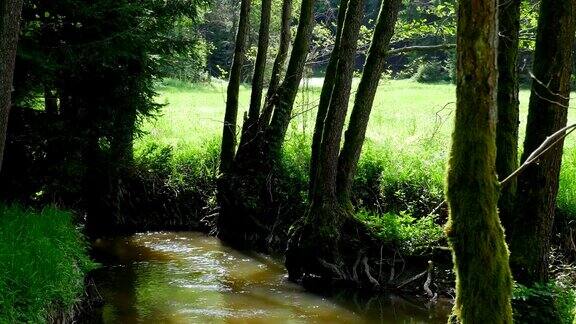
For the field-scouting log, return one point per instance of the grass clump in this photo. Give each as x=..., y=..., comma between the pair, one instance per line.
x=412, y=235
x=43, y=261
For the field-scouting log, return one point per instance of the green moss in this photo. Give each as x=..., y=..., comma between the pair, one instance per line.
x=43, y=261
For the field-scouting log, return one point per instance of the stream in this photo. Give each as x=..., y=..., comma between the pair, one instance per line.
x=188, y=277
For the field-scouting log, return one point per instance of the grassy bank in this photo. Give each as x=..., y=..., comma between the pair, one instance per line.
x=43, y=261
x=406, y=147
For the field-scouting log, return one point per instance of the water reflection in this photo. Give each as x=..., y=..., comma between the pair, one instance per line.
x=192, y=278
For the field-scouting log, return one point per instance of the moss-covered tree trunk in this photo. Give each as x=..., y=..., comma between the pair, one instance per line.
x=231, y=115
x=279, y=63
x=325, y=96
x=483, y=280
x=508, y=106
x=548, y=111
x=10, y=11
x=373, y=68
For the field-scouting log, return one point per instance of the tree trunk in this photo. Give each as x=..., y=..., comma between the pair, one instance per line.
x=373, y=68
x=245, y=193
x=260, y=65
x=10, y=11
x=231, y=115
x=508, y=106
x=250, y=125
x=325, y=96
x=287, y=93
x=548, y=111
x=483, y=280
x=333, y=123
x=279, y=63
x=317, y=239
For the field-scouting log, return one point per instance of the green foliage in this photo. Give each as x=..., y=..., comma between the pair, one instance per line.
x=551, y=303
x=412, y=235
x=43, y=261
x=432, y=72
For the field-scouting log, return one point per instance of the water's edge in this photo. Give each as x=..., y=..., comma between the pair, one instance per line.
x=189, y=277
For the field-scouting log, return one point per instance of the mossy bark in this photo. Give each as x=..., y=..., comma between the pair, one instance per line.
x=508, y=106
x=548, y=112
x=325, y=96
x=10, y=12
x=231, y=115
x=480, y=254
x=373, y=68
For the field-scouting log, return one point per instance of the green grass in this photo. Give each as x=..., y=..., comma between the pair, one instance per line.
x=43, y=261
x=407, y=140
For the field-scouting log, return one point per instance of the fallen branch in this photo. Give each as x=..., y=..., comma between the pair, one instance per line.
x=415, y=48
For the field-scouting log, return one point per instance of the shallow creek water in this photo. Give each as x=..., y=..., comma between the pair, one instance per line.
x=187, y=277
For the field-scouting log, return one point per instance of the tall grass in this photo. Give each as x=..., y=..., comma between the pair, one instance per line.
x=406, y=144
x=43, y=261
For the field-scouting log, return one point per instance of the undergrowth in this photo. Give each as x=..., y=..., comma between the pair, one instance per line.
x=412, y=235
x=43, y=261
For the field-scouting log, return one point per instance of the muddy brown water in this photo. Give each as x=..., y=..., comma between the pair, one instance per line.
x=187, y=277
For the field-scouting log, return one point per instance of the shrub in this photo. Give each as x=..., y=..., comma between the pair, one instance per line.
x=432, y=72
x=552, y=302
x=43, y=261
x=413, y=236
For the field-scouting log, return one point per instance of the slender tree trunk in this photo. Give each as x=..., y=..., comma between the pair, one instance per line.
x=250, y=126
x=548, y=112
x=10, y=11
x=373, y=68
x=508, y=106
x=279, y=63
x=287, y=93
x=231, y=115
x=325, y=96
x=483, y=280
x=260, y=66
x=333, y=123
x=321, y=236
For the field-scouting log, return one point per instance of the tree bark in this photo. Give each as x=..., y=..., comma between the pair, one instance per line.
x=322, y=236
x=325, y=96
x=287, y=93
x=333, y=123
x=508, y=106
x=373, y=68
x=548, y=112
x=279, y=63
x=260, y=65
x=483, y=280
x=231, y=115
x=10, y=12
